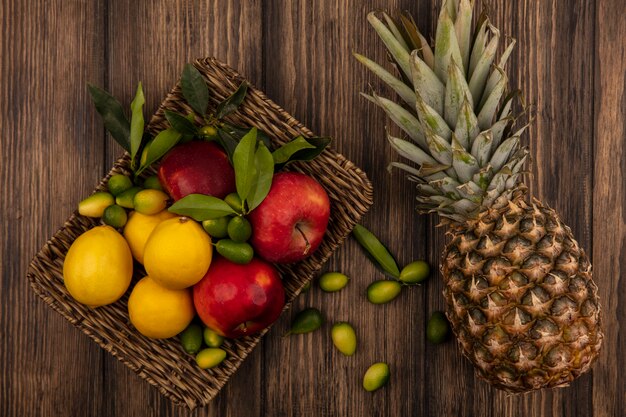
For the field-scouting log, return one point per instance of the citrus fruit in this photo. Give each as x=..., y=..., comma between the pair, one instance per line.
x=126, y=198
x=138, y=230
x=415, y=272
x=150, y=201
x=159, y=312
x=217, y=228
x=94, y=205
x=239, y=229
x=210, y=357
x=152, y=183
x=212, y=338
x=239, y=253
x=333, y=281
x=119, y=183
x=191, y=338
x=178, y=253
x=234, y=201
x=115, y=216
x=98, y=267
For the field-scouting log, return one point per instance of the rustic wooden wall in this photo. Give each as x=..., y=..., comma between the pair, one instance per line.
x=570, y=64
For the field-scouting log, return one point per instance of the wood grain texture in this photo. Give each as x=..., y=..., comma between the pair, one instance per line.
x=569, y=64
x=609, y=205
x=48, y=137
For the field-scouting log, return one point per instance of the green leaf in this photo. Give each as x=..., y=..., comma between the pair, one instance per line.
x=399, y=53
x=136, y=124
x=320, y=143
x=228, y=142
x=402, y=117
x=239, y=131
x=160, y=145
x=112, y=115
x=282, y=154
x=305, y=153
x=186, y=137
x=244, y=164
x=181, y=123
x=231, y=103
x=265, y=171
x=403, y=90
x=194, y=89
x=446, y=47
x=264, y=137
x=377, y=250
x=201, y=207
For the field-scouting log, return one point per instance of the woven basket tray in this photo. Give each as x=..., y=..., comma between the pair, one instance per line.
x=163, y=363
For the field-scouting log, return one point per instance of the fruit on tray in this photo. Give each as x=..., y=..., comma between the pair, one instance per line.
x=115, y=216
x=178, y=253
x=520, y=295
x=98, y=267
x=127, y=198
x=234, y=201
x=238, y=300
x=197, y=167
x=153, y=183
x=119, y=183
x=217, y=228
x=239, y=229
x=138, y=229
x=191, y=338
x=290, y=223
x=210, y=357
x=150, y=201
x=237, y=252
x=212, y=338
x=158, y=312
x=94, y=205
x=217, y=174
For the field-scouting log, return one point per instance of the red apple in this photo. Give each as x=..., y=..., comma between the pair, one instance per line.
x=238, y=300
x=197, y=167
x=290, y=223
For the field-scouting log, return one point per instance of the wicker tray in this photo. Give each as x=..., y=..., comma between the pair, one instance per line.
x=163, y=363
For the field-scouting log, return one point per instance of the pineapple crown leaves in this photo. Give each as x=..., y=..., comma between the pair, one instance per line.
x=456, y=110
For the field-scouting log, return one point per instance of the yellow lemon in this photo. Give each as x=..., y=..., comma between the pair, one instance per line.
x=98, y=267
x=178, y=253
x=158, y=312
x=138, y=229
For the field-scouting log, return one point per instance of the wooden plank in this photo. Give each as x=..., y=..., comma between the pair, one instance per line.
x=315, y=78
x=51, y=157
x=609, y=204
x=150, y=42
x=299, y=52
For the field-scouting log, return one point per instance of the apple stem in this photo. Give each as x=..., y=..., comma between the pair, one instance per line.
x=307, y=248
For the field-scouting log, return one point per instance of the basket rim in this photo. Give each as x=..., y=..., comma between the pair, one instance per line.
x=33, y=272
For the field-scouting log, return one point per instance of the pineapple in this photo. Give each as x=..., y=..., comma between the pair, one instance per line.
x=519, y=291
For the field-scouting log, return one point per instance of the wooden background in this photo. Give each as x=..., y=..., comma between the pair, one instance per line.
x=570, y=64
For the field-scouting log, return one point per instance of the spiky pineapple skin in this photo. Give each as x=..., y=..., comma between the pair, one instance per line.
x=520, y=296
